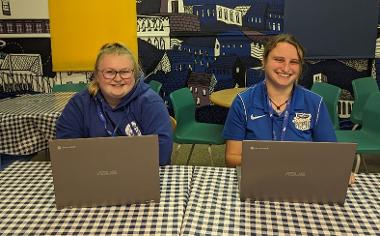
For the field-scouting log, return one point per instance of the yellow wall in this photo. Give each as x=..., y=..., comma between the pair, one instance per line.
x=78, y=29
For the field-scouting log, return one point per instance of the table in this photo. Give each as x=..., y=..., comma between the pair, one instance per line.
x=27, y=206
x=28, y=122
x=225, y=97
x=214, y=208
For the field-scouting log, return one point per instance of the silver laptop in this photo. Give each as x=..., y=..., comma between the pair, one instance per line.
x=312, y=172
x=89, y=172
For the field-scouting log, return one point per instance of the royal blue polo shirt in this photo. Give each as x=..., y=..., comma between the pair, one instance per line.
x=251, y=117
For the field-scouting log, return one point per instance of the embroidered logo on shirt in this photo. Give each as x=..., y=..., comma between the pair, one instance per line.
x=302, y=121
x=132, y=129
x=256, y=117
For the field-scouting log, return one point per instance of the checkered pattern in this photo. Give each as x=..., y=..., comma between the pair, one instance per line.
x=28, y=122
x=27, y=206
x=214, y=208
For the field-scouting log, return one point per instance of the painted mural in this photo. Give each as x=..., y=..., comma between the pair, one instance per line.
x=206, y=45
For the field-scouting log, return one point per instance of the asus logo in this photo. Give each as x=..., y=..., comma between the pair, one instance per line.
x=66, y=147
x=107, y=172
x=259, y=148
x=295, y=174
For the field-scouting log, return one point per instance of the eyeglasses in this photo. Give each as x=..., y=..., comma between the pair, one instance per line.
x=111, y=74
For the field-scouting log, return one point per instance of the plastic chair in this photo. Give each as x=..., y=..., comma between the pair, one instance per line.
x=155, y=85
x=69, y=87
x=368, y=136
x=362, y=87
x=188, y=130
x=330, y=94
x=173, y=122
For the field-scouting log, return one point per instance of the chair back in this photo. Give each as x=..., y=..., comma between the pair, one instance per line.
x=362, y=87
x=69, y=87
x=173, y=122
x=371, y=115
x=183, y=106
x=330, y=94
x=155, y=85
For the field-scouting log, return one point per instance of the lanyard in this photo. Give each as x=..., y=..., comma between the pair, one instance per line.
x=103, y=119
x=284, y=122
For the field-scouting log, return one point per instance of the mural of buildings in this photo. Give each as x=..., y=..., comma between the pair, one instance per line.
x=221, y=38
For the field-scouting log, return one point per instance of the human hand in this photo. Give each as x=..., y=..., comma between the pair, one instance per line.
x=352, y=179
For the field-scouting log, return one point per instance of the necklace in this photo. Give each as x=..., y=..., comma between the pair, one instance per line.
x=278, y=107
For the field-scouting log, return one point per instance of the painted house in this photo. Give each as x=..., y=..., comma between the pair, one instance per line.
x=171, y=81
x=218, y=17
x=199, y=85
x=204, y=49
x=234, y=43
x=275, y=19
x=23, y=72
x=252, y=69
x=255, y=18
x=229, y=71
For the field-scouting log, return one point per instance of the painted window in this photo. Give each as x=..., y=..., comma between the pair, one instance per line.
x=39, y=27
x=10, y=28
x=28, y=27
x=19, y=28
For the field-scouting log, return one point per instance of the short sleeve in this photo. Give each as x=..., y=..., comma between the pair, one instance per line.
x=236, y=122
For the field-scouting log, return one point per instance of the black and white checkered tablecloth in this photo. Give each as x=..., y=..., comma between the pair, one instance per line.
x=28, y=122
x=214, y=208
x=27, y=206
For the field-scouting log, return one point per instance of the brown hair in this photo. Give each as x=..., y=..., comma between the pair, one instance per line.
x=117, y=49
x=284, y=38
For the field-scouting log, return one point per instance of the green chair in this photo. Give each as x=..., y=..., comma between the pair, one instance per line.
x=368, y=136
x=188, y=130
x=362, y=87
x=155, y=85
x=69, y=87
x=330, y=94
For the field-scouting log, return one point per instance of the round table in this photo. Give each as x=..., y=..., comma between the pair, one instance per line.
x=225, y=97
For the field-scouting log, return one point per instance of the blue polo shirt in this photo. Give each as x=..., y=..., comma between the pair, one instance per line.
x=251, y=117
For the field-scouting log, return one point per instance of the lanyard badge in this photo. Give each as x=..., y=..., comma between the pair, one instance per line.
x=284, y=122
x=103, y=119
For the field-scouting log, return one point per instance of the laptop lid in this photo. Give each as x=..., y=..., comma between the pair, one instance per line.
x=312, y=172
x=89, y=172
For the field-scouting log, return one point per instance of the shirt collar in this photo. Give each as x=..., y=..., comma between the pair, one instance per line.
x=260, y=99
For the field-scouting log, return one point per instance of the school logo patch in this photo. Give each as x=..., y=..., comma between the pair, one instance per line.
x=302, y=121
x=132, y=129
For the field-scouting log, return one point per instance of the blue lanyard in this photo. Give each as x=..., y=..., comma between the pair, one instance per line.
x=284, y=122
x=103, y=119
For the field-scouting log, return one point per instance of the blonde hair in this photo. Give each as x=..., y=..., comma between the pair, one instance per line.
x=284, y=38
x=117, y=49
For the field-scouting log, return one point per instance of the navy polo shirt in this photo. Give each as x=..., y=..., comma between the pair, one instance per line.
x=252, y=118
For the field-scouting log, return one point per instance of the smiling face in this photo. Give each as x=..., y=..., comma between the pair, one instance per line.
x=114, y=89
x=282, y=66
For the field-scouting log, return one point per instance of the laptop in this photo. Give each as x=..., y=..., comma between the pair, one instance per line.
x=104, y=171
x=310, y=172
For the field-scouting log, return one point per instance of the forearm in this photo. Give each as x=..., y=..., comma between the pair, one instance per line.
x=233, y=153
x=233, y=160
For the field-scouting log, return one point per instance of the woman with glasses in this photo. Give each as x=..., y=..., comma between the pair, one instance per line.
x=117, y=103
